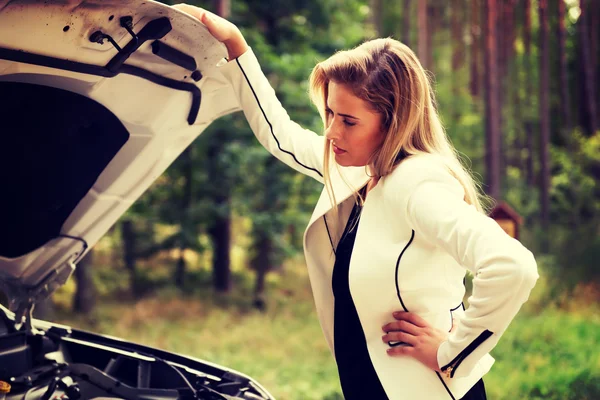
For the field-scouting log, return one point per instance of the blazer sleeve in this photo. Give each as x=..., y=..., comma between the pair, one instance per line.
x=299, y=148
x=504, y=271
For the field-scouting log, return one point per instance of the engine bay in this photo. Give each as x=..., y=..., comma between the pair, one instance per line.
x=59, y=363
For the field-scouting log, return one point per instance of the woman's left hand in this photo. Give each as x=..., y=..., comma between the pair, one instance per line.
x=423, y=339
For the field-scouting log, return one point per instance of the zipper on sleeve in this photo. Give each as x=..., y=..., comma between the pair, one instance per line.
x=450, y=368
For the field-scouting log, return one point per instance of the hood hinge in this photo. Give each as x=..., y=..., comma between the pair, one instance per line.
x=23, y=301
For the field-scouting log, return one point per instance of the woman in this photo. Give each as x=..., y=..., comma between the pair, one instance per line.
x=397, y=224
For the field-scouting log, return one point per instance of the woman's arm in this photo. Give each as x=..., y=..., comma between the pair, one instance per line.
x=504, y=271
x=299, y=148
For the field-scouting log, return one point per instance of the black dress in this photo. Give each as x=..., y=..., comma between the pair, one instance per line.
x=358, y=377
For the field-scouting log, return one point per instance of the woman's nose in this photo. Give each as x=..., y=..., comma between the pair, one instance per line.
x=332, y=131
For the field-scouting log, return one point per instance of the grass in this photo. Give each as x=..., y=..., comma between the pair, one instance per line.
x=548, y=352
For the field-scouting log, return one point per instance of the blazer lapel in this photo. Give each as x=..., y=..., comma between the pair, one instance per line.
x=355, y=178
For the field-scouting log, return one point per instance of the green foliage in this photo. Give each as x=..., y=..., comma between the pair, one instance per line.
x=545, y=356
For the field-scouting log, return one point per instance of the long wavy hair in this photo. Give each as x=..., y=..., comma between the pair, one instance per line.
x=388, y=76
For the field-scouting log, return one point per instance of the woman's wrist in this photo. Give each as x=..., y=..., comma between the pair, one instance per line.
x=236, y=46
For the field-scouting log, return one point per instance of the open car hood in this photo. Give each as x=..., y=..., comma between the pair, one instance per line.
x=97, y=98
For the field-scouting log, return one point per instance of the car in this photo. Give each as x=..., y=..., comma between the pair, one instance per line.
x=97, y=99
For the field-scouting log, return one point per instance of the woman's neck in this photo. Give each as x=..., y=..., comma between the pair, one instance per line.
x=371, y=184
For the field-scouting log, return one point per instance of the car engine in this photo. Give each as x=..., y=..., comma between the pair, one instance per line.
x=60, y=363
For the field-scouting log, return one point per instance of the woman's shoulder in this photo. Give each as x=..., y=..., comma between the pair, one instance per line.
x=420, y=166
x=417, y=169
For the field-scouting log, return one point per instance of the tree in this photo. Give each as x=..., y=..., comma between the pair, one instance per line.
x=267, y=219
x=129, y=239
x=519, y=140
x=458, y=53
x=544, y=117
x=84, y=299
x=188, y=227
x=475, y=46
x=587, y=63
x=377, y=17
x=492, y=106
x=505, y=36
x=223, y=8
x=529, y=140
x=564, y=79
x=220, y=228
x=593, y=8
x=423, y=37
x=406, y=18
x=457, y=35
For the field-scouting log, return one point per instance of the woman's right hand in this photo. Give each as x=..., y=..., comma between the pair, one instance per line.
x=221, y=29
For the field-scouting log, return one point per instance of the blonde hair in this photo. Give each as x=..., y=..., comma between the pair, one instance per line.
x=387, y=75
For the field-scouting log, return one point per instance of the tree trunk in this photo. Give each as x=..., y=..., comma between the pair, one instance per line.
x=588, y=69
x=261, y=263
x=377, y=17
x=544, y=120
x=266, y=253
x=530, y=143
x=423, y=37
x=186, y=223
x=457, y=44
x=564, y=79
x=529, y=92
x=84, y=298
x=593, y=12
x=512, y=16
x=457, y=53
x=519, y=143
x=180, y=269
x=129, y=255
x=220, y=227
x=406, y=19
x=492, y=110
x=475, y=46
x=220, y=233
x=595, y=36
x=223, y=8
x=432, y=27
x=504, y=36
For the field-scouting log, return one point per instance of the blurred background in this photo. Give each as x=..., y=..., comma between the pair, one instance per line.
x=209, y=261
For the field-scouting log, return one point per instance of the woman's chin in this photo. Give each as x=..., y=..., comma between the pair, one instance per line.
x=339, y=159
x=343, y=161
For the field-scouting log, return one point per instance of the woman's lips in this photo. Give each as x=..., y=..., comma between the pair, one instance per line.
x=337, y=150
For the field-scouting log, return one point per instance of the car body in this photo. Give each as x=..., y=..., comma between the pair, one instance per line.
x=97, y=99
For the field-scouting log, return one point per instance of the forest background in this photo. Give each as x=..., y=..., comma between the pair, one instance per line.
x=209, y=261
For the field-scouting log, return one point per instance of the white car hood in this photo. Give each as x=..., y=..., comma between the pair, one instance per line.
x=84, y=131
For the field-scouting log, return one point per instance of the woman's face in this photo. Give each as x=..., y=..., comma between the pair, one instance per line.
x=353, y=128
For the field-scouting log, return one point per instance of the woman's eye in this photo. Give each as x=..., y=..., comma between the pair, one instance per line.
x=329, y=114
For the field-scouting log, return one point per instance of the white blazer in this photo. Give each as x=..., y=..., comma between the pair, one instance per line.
x=415, y=240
